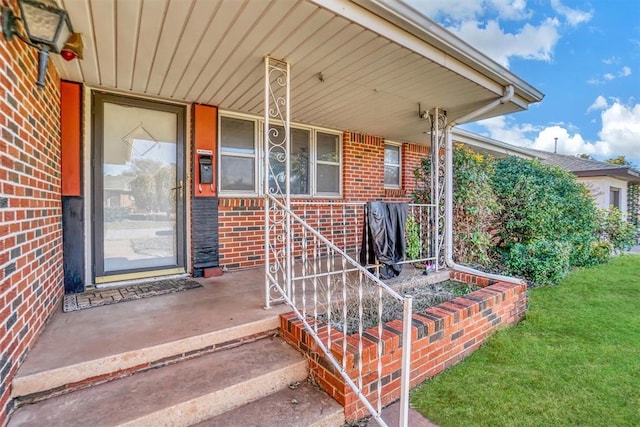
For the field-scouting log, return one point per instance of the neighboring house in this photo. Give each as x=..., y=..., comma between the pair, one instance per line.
x=175, y=95
x=610, y=185
x=485, y=145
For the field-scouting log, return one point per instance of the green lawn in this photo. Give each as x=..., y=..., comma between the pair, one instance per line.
x=573, y=361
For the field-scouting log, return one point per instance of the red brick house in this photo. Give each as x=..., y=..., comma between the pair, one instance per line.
x=146, y=158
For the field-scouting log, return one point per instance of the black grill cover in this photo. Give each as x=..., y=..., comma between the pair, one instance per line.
x=383, y=237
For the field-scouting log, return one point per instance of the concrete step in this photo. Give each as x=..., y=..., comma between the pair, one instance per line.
x=180, y=394
x=304, y=406
x=37, y=379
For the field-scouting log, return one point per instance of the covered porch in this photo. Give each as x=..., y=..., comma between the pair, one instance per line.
x=363, y=75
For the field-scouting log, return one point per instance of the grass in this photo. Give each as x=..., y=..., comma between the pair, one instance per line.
x=573, y=361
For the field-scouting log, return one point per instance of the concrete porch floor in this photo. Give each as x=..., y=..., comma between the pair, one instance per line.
x=232, y=300
x=118, y=337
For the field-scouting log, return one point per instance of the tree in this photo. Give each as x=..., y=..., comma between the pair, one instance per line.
x=153, y=186
x=620, y=160
x=585, y=156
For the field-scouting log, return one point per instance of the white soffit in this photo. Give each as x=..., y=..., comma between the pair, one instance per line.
x=350, y=68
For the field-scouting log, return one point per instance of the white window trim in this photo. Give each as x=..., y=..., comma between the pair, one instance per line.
x=257, y=187
x=399, y=165
x=317, y=162
x=259, y=156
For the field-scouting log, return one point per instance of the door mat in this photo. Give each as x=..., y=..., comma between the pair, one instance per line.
x=100, y=297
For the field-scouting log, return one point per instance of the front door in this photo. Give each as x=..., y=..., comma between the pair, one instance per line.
x=138, y=187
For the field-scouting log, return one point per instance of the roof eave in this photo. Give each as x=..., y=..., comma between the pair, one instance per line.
x=427, y=30
x=623, y=173
x=480, y=141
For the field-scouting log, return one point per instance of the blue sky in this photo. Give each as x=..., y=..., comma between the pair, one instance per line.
x=583, y=55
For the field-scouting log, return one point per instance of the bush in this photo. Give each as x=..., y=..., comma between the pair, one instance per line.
x=412, y=233
x=613, y=228
x=600, y=252
x=521, y=217
x=543, y=203
x=474, y=204
x=542, y=262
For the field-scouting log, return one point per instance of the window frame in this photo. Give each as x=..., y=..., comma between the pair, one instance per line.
x=614, y=194
x=259, y=157
x=399, y=165
x=316, y=162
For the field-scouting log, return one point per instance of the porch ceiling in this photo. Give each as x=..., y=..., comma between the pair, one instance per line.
x=351, y=68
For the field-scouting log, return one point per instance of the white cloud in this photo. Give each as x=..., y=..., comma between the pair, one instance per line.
x=621, y=130
x=611, y=60
x=567, y=143
x=531, y=42
x=599, y=104
x=625, y=72
x=619, y=135
x=574, y=16
x=460, y=10
x=511, y=9
x=500, y=130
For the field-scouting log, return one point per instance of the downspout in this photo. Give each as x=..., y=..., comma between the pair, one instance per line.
x=448, y=190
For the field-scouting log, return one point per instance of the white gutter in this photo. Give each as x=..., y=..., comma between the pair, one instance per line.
x=481, y=142
x=411, y=20
x=448, y=191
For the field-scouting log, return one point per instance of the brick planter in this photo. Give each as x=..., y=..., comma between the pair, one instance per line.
x=441, y=336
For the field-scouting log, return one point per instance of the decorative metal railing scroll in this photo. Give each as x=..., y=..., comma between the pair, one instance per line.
x=276, y=179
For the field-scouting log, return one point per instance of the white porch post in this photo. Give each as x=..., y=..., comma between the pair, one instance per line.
x=438, y=119
x=276, y=149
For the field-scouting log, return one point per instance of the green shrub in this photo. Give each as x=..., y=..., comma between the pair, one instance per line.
x=474, y=203
x=600, y=252
x=542, y=262
x=615, y=229
x=412, y=233
x=543, y=203
x=520, y=217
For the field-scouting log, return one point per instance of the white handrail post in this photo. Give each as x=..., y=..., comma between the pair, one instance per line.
x=287, y=186
x=265, y=186
x=405, y=380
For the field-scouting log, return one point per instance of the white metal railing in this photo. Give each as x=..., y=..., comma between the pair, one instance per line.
x=317, y=276
x=343, y=224
x=327, y=288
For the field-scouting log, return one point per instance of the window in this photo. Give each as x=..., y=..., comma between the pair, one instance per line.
x=328, y=163
x=237, y=155
x=614, y=197
x=392, y=166
x=299, y=160
x=315, y=159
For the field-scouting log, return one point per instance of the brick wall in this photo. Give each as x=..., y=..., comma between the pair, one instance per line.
x=441, y=337
x=241, y=220
x=31, y=275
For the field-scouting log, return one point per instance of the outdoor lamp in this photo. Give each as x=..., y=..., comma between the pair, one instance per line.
x=47, y=28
